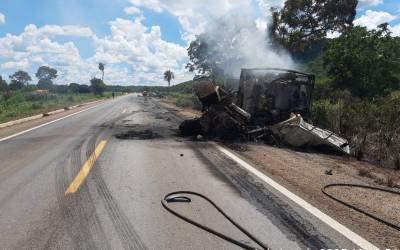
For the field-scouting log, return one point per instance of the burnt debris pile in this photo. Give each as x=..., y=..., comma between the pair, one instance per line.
x=270, y=104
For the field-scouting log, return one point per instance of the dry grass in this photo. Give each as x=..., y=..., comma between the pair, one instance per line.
x=365, y=173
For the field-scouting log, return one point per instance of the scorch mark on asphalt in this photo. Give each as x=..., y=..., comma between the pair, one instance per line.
x=83, y=173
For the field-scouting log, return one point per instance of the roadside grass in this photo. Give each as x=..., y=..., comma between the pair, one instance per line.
x=22, y=104
x=184, y=100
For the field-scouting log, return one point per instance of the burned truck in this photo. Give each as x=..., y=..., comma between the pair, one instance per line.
x=269, y=105
x=271, y=95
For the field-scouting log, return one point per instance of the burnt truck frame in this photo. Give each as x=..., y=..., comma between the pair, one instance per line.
x=270, y=95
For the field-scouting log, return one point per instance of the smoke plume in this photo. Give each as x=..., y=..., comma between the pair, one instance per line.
x=236, y=42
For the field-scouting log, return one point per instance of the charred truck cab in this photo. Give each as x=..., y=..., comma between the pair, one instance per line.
x=270, y=95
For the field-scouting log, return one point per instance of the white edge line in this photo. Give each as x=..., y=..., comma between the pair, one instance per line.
x=355, y=238
x=44, y=124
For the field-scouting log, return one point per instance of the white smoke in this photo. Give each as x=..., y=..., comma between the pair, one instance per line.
x=237, y=42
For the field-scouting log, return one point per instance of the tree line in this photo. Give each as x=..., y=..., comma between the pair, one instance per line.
x=45, y=74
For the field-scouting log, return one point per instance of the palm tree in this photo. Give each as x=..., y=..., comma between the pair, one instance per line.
x=168, y=76
x=101, y=68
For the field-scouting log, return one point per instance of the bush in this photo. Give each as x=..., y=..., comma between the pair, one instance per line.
x=372, y=126
x=183, y=101
x=15, y=99
x=37, y=105
x=40, y=96
x=328, y=113
x=83, y=89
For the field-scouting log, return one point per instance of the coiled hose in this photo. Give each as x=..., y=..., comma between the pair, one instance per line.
x=178, y=196
x=388, y=223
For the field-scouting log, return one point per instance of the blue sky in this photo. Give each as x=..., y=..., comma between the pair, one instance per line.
x=137, y=39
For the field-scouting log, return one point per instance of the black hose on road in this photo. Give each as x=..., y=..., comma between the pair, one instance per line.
x=388, y=223
x=178, y=196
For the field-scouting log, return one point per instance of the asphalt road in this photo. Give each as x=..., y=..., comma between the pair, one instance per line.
x=118, y=205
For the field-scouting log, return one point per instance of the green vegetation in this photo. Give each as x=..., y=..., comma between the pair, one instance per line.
x=185, y=100
x=18, y=80
x=184, y=87
x=301, y=25
x=357, y=92
x=365, y=62
x=372, y=126
x=181, y=95
x=18, y=99
x=97, y=86
x=46, y=75
x=26, y=103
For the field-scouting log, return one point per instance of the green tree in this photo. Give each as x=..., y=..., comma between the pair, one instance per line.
x=97, y=86
x=365, y=62
x=73, y=87
x=45, y=75
x=19, y=79
x=168, y=76
x=3, y=85
x=302, y=23
x=101, y=68
x=45, y=84
x=60, y=89
x=84, y=89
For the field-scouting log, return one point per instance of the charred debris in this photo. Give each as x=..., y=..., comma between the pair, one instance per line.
x=270, y=105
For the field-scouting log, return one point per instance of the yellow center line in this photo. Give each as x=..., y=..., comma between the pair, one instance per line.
x=83, y=173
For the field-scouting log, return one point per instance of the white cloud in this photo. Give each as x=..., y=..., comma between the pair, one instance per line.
x=333, y=34
x=68, y=30
x=132, y=10
x=366, y=3
x=193, y=15
x=395, y=30
x=22, y=65
x=371, y=19
x=143, y=49
x=133, y=53
x=2, y=19
x=150, y=4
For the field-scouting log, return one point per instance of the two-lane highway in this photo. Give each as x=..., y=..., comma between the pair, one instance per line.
x=94, y=180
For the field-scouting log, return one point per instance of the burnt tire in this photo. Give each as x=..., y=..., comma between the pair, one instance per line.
x=190, y=128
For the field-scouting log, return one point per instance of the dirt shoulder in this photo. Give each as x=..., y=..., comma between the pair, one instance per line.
x=186, y=113
x=306, y=173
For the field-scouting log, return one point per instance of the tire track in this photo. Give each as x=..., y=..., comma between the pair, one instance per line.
x=78, y=211
x=125, y=230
